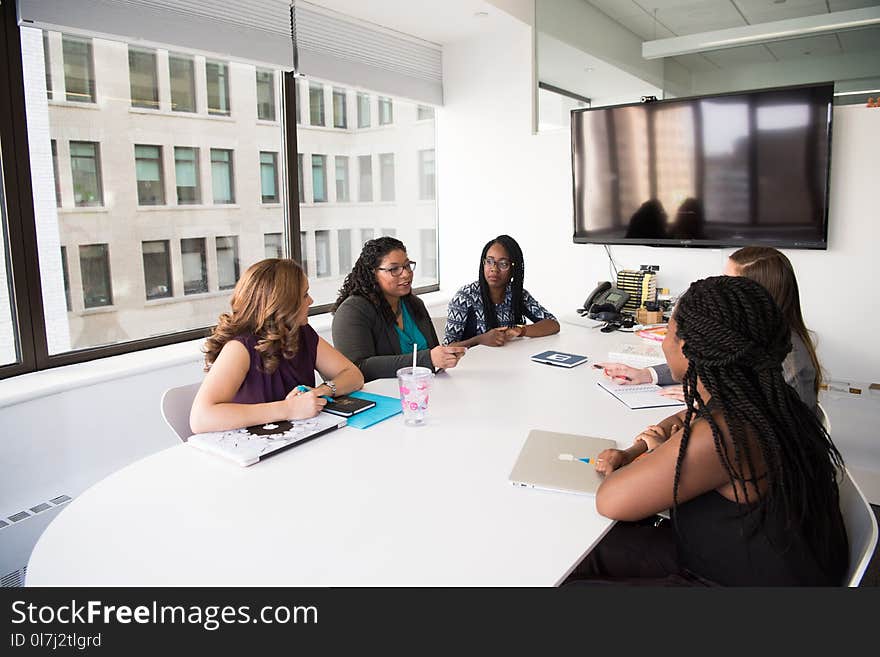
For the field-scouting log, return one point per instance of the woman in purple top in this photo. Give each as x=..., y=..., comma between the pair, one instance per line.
x=261, y=351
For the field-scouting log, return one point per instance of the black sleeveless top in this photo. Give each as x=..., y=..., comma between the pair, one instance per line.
x=716, y=541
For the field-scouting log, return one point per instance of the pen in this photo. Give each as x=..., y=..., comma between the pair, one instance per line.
x=301, y=388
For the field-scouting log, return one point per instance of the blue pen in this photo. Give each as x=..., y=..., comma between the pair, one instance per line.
x=302, y=388
x=585, y=460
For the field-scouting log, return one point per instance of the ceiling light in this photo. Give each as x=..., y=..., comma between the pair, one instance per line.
x=746, y=35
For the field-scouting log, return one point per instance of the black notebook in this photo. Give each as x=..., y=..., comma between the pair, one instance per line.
x=347, y=406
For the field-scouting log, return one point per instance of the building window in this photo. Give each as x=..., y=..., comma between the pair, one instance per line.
x=217, y=77
x=427, y=178
x=319, y=178
x=47, y=65
x=265, y=95
x=340, y=113
x=363, y=110
x=428, y=239
x=342, y=179
x=366, y=235
x=186, y=170
x=299, y=171
x=148, y=168
x=79, y=69
x=55, y=173
x=425, y=113
x=227, y=262
x=181, y=69
x=195, y=266
x=269, y=176
x=157, y=269
x=273, y=245
x=222, y=176
x=94, y=264
x=316, y=103
x=386, y=175
x=386, y=111
x=65, y=272
x=303, y=251
x=389, y=232
x=85, y=165
x=343, y=238
x=143, y=80
x=322, y=253
x=365, y=178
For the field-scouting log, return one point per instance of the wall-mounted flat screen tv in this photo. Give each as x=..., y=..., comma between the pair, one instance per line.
x=726, y=170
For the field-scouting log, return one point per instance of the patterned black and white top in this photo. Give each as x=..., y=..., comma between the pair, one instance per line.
x=465, y=317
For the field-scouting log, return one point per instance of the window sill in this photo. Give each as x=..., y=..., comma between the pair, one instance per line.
x=267, y=122
x=271, y=206
x=99, y=310
x=84, y=209
x=203, y=295
x=73, y=103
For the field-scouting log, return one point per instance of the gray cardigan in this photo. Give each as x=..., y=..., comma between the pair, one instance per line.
x=371, y=343
x=797, y=368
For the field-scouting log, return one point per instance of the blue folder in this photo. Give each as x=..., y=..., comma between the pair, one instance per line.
x=385, y=407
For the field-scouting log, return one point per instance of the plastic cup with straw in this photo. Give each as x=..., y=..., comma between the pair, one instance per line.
x=415, y=386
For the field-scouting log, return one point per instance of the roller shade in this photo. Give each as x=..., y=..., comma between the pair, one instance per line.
x=253, y=30
x=336, y=47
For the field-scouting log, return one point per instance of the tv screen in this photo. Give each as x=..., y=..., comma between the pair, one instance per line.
x=727, y=170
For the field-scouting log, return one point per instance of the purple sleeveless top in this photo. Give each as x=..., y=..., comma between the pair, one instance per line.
x=260, y=387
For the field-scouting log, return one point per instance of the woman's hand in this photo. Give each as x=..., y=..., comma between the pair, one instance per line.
x=610, y=460
x=673, y=392
x=653, y=436
x=302, y=405
x=624, y=374
x=445, y=357
x=496, y=337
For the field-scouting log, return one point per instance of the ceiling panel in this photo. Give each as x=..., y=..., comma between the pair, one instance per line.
x=696, y=63
x=700, y=17
x=763, y=11
x=817, y=46
x=861, y=40
x=843, y=5
x=744, y=56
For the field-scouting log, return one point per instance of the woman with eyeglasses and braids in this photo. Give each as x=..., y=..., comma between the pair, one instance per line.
x=377, y=318
x=747, y=470
x=493, y=309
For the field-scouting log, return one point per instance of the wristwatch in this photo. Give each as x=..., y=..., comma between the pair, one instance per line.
x=329, y=383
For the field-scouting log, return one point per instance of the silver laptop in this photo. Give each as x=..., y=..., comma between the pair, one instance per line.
x=560, y=462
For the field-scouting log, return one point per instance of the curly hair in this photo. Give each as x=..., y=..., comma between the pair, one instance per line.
x=361, y=280
x=773, y=270
x=735, y=339
x=517, y=275
x=265, y=302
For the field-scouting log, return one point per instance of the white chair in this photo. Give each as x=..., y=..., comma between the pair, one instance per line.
x=823, y=417
x=861, y=529
x=439, y=326
x=176, y=404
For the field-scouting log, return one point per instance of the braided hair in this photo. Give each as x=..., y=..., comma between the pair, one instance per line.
x=735, y=339
x=361, y=280
x=517, y=274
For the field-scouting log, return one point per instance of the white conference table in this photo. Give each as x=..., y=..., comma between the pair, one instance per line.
x=391, y=505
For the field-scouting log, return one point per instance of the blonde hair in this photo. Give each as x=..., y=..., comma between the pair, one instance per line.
x=266, y=301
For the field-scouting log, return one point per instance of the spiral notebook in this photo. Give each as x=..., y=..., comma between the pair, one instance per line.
x=646, y=395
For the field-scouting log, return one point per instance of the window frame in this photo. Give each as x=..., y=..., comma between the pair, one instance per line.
x=29, y=323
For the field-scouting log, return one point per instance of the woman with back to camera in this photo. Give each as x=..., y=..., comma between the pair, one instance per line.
x=750, y=475
x=773, y=270
x=377, y=318
x=493, y=310
x=262, y=350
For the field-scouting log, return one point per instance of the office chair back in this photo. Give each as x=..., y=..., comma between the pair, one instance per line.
x=823, y=417
x=861, y=529
x=176, y=404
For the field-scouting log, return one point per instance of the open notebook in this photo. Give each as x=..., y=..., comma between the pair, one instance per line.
x=645, y=395
x=248, y=445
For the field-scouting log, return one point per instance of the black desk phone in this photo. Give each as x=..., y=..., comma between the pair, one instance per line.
x=605, y=302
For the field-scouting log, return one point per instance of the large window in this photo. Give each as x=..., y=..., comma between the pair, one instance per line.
x=157, y=269
x=322, y=253
x=227, y=262
x=316, y=104
x=269, y=177
x=363, y=110
x=9, y=350
x=319, y=178
x=386, y=111
x=386, y=168
x=341, y=179
x=186, y=171
x=79, y=70
x=265, y=95
x=273, y=245
x=181, y=69
x=217, y=77
x=344, y=239
x=340, y=114
x=143, y=80
x=365, y=178
x=427, y=180
x=85, y=169
x=194, y=264
x=148, y=168
x=94, y=265
x=222, y=176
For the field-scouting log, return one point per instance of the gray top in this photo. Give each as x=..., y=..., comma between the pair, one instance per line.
x=371, y=343
x=797, y=369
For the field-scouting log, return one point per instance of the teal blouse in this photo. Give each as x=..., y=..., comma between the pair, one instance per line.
x=410, y=333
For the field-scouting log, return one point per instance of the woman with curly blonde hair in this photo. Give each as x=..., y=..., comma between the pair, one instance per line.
x=262, y=351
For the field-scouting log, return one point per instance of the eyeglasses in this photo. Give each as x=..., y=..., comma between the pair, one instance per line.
x=502, y=264
x=398, y=270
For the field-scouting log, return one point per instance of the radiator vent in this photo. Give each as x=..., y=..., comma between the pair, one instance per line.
x=21, y=515
x=34, y=510
x=41, y=507
x=13, y=579
x=61, y=499
x=3, y=523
